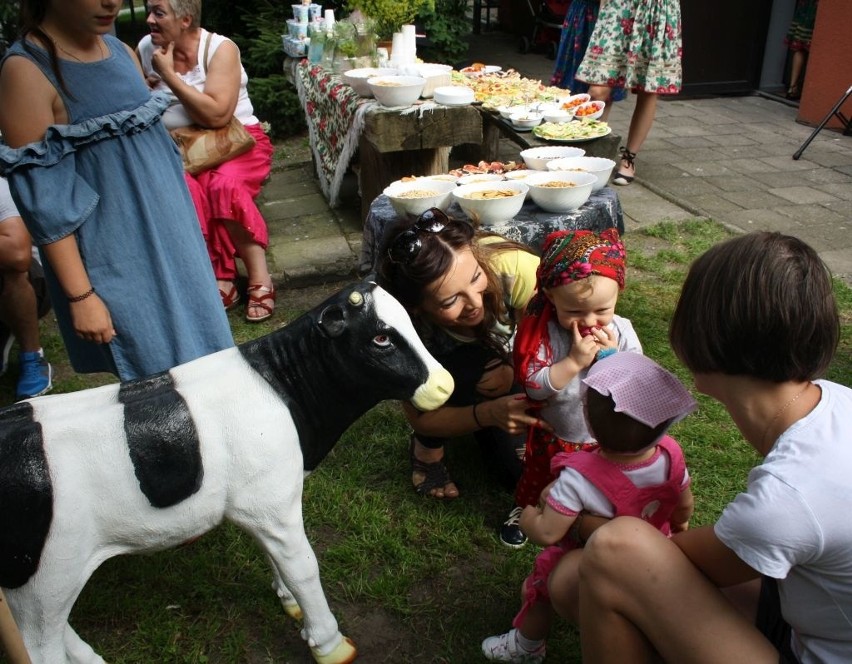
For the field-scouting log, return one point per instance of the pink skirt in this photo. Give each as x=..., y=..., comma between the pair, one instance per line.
x=226, y=194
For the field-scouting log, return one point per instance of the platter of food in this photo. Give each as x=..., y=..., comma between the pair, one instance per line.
x=479, y=69
x=576, y=131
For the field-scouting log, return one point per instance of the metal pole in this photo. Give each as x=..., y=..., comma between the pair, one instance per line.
x=832, y=112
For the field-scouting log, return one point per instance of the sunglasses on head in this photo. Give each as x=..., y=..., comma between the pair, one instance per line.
x=406, y=245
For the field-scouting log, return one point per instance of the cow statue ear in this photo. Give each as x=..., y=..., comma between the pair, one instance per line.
x=332, y=321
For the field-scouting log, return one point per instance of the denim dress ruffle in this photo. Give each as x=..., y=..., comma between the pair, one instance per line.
x=113, y=178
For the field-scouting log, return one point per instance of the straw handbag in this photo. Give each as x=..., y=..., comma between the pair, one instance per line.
x=201, y=148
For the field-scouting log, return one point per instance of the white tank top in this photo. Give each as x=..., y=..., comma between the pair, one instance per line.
x=176, y=115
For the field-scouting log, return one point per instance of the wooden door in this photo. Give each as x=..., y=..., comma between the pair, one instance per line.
x=723, y=45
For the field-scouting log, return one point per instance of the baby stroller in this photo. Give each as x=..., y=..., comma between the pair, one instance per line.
x=545, y=26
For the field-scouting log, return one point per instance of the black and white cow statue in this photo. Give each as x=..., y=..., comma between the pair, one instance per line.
x=152, y=463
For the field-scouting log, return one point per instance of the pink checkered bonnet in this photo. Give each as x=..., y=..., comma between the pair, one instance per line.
x=641, y=388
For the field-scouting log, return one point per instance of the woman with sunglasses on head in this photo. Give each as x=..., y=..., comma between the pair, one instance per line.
x=464, y=291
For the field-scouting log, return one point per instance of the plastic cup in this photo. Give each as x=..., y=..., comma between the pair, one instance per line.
x=301, y=13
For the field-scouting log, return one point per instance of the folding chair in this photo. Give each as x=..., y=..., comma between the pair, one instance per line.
x=835, y=111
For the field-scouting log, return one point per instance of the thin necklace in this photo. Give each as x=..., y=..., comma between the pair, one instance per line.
x=69, y=53
x=781, y=412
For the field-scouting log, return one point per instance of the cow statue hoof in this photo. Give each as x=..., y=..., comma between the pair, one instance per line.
x=344, y=653
x=293, y=610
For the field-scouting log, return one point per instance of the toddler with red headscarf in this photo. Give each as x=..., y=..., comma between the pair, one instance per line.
x=569, y=324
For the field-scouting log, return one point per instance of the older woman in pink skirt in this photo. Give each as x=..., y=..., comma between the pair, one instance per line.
x=203, y=74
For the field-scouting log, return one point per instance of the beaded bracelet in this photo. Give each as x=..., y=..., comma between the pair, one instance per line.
x=475, y=418
x=80, y=298
x=605, y=352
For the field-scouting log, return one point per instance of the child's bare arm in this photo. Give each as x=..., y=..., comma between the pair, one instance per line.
x=682, y=513
x=545, y=526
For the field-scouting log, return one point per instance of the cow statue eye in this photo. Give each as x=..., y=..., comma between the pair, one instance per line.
x=382, y=340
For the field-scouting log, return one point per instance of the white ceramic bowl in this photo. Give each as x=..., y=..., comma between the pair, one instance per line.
x=442, y=177
x=506, y=111
x=491, y=210
x=453, y=95
x=526, y=119
x=571, y=103
x=537, y=158
x=600, y=167
x=560, y=199
x=558, y=116
x=396, y=90
x=479, y=177
x=405, y=204
x=591, y=110
x=520, y=175
x=357, y=78
x=436, y=76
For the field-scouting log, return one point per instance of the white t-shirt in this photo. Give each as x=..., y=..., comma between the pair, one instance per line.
x=564, y=411
x=794, y=524
x=175, y=115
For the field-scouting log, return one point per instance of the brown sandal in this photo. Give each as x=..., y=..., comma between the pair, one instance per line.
x=265, y=301
x=230, y=299
x=436, y=476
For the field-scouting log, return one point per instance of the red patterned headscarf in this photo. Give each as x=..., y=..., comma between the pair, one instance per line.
x=567, y=256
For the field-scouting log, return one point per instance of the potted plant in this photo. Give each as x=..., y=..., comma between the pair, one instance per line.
x=390, y=15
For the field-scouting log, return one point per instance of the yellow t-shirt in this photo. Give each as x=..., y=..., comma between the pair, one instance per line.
x=516, y=268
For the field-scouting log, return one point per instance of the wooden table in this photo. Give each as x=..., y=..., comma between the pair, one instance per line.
x=391, y=142
x=530, y=226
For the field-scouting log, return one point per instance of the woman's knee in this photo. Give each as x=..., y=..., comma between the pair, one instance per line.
x=617, y=547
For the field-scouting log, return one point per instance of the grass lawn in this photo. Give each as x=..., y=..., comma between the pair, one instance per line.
x=409, y=579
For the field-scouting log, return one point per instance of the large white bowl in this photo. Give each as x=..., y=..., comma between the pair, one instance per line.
x=537, y=158
x=479, y=177
x=597, y=166
x=436, y=76
x=526, y=119
x=560, y=199
x=489, y=211
x=558, y=116
x=520, y=175
x=357, y=78
x=591, y=110
x=396, y=90
x=405, y=206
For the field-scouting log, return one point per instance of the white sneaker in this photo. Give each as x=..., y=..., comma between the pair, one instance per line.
x=505, y=648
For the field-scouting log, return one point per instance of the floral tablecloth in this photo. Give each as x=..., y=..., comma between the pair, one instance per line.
x=335, y=117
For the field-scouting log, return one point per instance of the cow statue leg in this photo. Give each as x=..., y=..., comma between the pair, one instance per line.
x=78, y=651
x=271, y=512
x=291, y=606
x=41, y=609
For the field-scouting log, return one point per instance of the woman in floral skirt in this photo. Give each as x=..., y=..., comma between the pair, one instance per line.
x=636, y=44
x=576, y=31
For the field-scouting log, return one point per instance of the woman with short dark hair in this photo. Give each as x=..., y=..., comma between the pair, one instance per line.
x=757, y=325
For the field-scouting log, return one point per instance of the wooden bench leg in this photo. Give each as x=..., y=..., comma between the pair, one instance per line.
x=379, y=169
